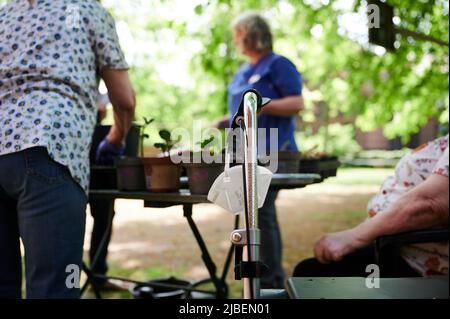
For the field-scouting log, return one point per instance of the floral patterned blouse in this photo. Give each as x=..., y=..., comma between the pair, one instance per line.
x=430, y=158
x=51, y=52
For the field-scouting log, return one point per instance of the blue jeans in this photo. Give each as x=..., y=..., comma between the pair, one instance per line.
x=271, y=243
x=41, y=204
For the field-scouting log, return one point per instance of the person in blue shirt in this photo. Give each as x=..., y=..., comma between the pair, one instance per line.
x=275, y=77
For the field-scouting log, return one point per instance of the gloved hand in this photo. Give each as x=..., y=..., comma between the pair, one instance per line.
x=106, y=152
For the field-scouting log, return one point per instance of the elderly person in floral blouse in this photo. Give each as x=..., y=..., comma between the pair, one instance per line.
x=52, y=56
x=417, y=197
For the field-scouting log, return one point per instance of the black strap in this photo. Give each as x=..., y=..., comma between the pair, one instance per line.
x=246, y=269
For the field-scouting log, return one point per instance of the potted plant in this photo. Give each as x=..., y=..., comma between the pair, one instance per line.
x=130, y=169
x=161, y=173
x=204, y=167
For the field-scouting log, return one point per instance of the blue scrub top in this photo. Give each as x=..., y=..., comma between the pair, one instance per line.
x=275, y=77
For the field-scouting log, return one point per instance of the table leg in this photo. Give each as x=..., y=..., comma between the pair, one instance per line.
x=91, y=279
x=219, y=283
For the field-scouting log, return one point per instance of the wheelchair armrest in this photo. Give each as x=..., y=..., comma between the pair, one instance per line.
x=414, y=237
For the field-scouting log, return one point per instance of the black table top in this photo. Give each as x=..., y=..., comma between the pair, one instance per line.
x=355, y=288
x=299, y=180
x=183, y=196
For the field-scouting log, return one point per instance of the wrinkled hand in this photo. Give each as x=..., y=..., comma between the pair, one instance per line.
x=333, y=247
x=106, y=152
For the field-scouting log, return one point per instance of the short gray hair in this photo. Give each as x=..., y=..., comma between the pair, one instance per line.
x=257, y=34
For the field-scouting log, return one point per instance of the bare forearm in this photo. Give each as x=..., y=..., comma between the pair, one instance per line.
x=287, y=106
x=123, y=119
x=123, y=99
x=425, y=206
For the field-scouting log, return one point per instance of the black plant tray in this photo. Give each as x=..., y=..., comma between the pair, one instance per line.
x=326, y=167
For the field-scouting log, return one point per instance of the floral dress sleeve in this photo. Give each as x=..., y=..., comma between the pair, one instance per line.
x=105, y=41
x=411, y=171
x=441, y=167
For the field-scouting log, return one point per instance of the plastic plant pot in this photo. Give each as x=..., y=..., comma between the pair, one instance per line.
x=201, y=176
x=326, y=166
x=130, y=174
x=288, y=162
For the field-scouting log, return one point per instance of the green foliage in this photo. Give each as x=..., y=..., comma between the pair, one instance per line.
x=206, y=142
x=168, y=143
x=339, y=141
x=398, y=91
x=207, y=145
x=144, y=135
x=165, y=103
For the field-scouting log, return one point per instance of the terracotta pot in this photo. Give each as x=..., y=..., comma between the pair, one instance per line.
x=161, y=174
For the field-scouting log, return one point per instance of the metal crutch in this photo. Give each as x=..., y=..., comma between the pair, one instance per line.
x=247, y=241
